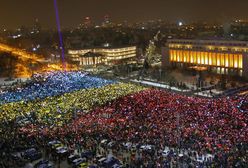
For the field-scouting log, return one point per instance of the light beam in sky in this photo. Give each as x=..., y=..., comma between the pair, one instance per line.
x=61, y=45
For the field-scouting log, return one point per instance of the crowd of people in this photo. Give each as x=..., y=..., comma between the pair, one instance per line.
x=56, y=110
x=128, y=113
x=243, y=105
x=53, y=84
x=162, y=119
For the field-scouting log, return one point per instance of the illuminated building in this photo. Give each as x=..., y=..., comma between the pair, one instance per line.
x=223, y=57
x=87, y=22
x=107, y=22
x=91, y=59
x=109, y=56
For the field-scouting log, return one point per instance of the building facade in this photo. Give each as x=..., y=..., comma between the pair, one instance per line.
x=223, y=57
x=91, y=59
x=110, y=56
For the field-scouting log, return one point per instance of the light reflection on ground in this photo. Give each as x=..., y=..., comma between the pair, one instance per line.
x=25, y=59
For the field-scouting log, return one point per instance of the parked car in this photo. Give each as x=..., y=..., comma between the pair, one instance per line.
x=77, y=162
x=111, y=144
x=101, y=160
x=104, y=142
x=166, y=152
x=44, y=164
x=127, y=145
x=72, y=157
x=200, y=159
x=53, y=142
x=110, y=161
x=87, y=154
x=32, y=154
x=61, y=150
x=117, y=166
x=146, y=147
x=83, y=165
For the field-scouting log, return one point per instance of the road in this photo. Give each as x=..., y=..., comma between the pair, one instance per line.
x=22, y=54
x=23, y=69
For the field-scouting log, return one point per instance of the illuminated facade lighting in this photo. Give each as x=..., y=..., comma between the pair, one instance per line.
x=109, y=55
x=224, y=56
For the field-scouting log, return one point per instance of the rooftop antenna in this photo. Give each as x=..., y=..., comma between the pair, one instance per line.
x=61, y=46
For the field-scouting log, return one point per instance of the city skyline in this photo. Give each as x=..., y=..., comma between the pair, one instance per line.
x=73, y=12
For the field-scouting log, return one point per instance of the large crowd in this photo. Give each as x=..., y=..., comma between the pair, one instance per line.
x=162, y=118
x=128, y=113
x=53, y=84
x=56, y=110
x=243, y=105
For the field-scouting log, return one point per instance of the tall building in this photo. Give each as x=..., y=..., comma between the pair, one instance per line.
x=37, y=26
x=87, y=22
x=223, y=57
x=104, y=55
x=106, y=21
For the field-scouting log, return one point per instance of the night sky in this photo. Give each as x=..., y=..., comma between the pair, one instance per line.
x=23, y=12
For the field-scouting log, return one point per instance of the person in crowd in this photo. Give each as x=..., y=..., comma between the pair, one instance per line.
x=81, y=113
